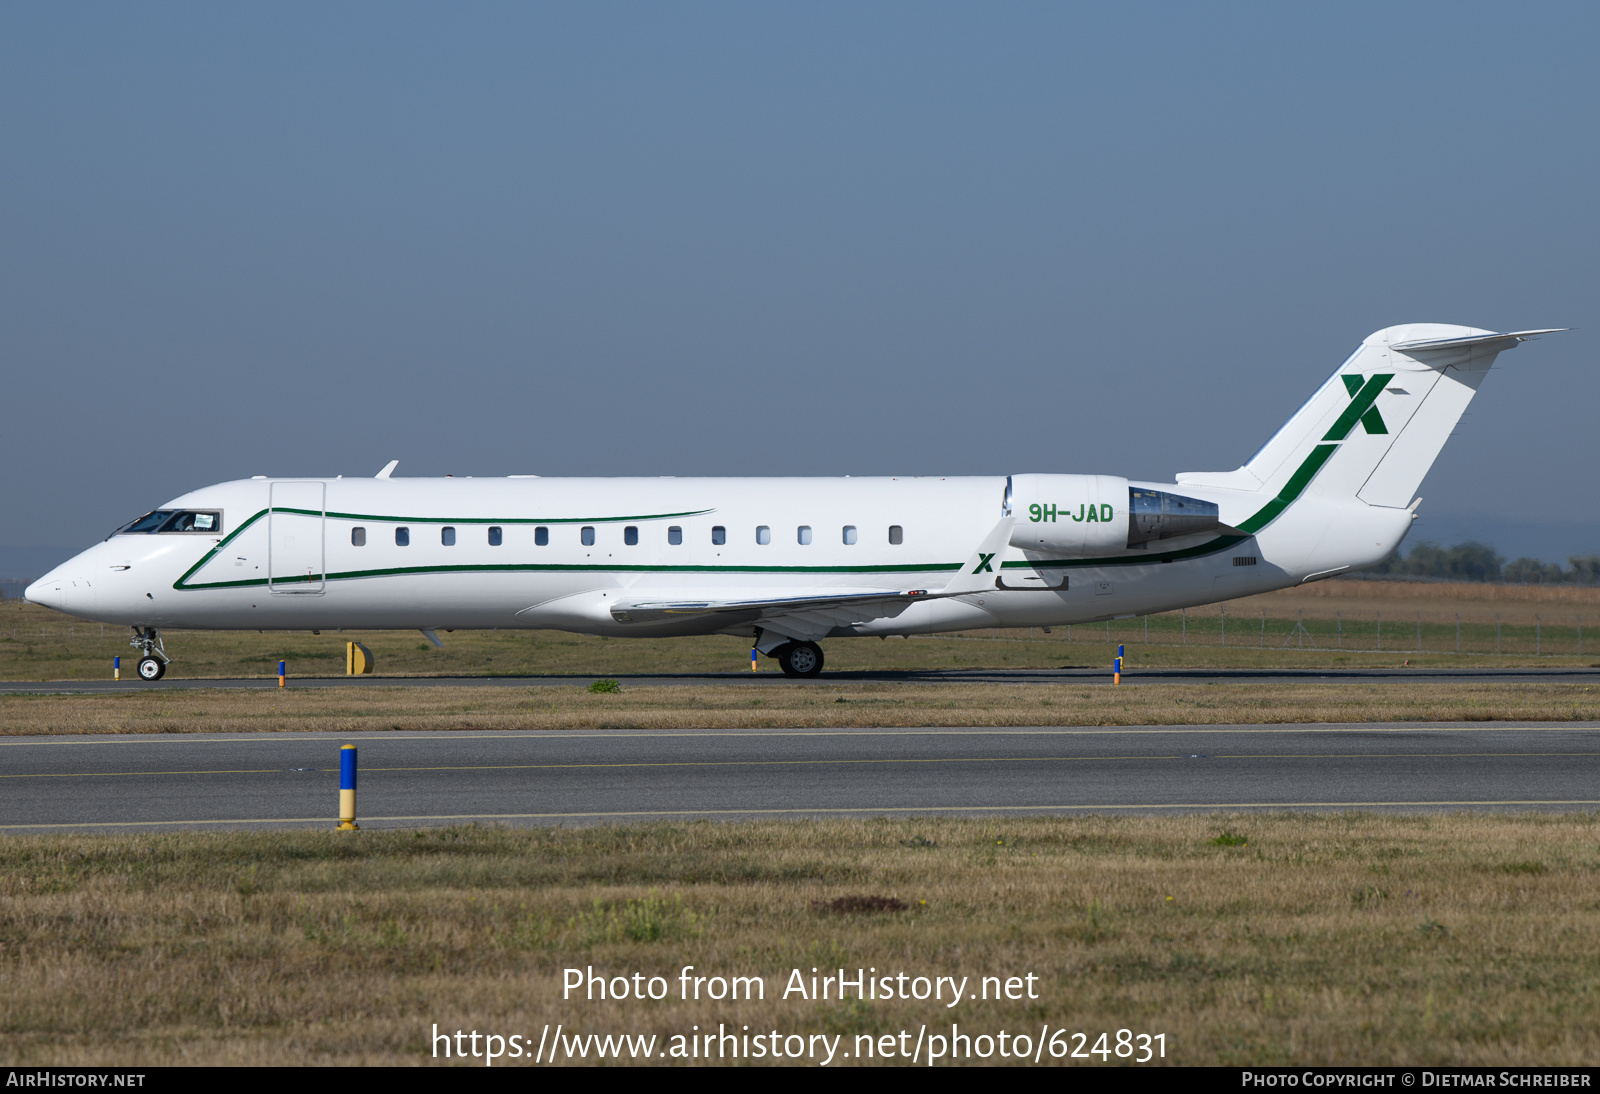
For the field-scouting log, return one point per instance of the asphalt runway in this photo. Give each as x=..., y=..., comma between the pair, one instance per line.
x=1142, y=676
x=407, y=780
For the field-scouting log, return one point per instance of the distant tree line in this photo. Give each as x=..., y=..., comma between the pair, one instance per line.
x=1473, y=561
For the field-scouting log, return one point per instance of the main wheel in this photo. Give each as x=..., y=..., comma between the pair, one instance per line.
x=152, y=668
x=800, y=659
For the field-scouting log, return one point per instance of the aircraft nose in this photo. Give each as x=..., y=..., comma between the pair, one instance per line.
x=50, y=591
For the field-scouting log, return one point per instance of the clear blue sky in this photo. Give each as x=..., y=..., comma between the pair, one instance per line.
x=779, y=239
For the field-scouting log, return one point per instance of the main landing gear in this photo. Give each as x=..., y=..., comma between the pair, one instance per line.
x=153, y=659
x=801, y=659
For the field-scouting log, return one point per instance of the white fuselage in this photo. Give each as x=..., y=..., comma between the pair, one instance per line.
x=285, y=555
x=791, y=561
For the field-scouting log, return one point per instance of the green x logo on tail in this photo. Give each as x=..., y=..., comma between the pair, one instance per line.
x=1362, y=396
x=983, y=562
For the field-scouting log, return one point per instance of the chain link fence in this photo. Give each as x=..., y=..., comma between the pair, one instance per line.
x=1548, y=634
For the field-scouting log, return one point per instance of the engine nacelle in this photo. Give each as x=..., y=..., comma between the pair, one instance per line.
x=1087, y=515
x=1072, y=515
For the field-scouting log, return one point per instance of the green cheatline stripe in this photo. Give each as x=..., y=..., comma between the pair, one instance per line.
x=1291, y=489
x=1210, y=547
x=582, y=568
x=211, y=554
x=1260, y=519
x=477, y=520
x=1359, y=405
x=1221, y=543
x=231, y=536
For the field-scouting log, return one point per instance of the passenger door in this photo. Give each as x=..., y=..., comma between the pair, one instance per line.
x=296, y=555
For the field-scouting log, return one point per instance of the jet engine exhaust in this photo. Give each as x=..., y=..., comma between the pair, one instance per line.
x=1156, y=514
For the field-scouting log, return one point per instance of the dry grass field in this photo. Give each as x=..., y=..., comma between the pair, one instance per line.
x=1281, y=939
x=1328, y=624
x=344, y=710
x=1478, y=603
x=1351, y=939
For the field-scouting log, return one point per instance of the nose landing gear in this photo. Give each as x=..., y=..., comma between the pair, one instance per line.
x=153, y=659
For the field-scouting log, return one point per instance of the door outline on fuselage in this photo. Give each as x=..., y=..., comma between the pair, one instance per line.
x=293, y=509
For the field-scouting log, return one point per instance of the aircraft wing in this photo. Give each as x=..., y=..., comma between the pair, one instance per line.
x=813, y=613
x=867, y=604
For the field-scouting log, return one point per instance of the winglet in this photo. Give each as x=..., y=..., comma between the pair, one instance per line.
x=978, y=572
x=388, y=469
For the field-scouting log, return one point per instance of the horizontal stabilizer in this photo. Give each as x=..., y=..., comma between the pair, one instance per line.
x=1472, y=340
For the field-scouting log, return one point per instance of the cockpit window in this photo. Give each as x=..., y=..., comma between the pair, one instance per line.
x=169, y=520
x=187, y=521
x=147, y=523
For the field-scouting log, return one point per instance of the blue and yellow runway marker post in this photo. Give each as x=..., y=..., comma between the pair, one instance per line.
x=282, y=673
x=1116, y=672
x=347, y=789
x=752, y=659
x=116, y=668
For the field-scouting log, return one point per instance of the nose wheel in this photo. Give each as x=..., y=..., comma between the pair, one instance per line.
x=153, y=655
x=803, y=659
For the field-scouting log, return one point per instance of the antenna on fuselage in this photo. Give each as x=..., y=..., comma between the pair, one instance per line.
x=388, y=469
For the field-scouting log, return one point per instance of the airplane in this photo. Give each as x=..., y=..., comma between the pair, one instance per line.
x=788, y=562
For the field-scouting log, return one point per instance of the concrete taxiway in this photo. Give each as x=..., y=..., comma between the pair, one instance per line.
x=410, y=779
x=1141, y=676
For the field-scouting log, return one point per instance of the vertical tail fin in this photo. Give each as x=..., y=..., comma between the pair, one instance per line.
x=1375, y=427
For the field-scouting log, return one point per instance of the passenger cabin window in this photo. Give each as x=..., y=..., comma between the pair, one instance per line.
x=675, y=535
x=763, y=534
x=402, y=537
x=587, y=536
x=447, y=536
x=358, y=537
x=494, y=535
x=719, y=535
x=896, y=533
x=541, y=536
x=630, y=536
x=849, y=534
x=803, y=534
